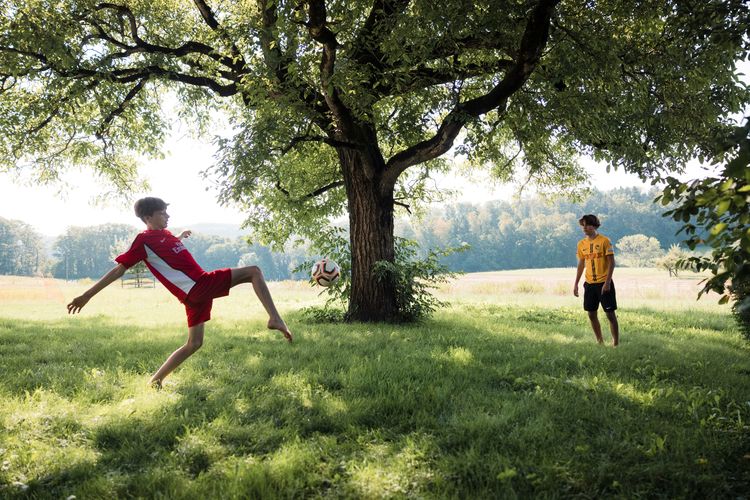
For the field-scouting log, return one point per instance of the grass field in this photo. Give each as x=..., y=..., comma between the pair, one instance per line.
x=503, y=394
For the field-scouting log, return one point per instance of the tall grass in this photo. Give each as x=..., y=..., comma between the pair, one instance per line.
x=485, y=400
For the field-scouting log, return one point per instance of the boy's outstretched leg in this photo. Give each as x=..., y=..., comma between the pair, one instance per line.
x=194, y=342
x=253, y=274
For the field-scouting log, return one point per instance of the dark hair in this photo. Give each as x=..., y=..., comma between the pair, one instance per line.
x=145, y=207
x=589, y=220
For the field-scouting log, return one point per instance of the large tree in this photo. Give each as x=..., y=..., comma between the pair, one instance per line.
x=349, y=105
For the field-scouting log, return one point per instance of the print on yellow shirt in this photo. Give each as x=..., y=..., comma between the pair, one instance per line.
x=594, y=252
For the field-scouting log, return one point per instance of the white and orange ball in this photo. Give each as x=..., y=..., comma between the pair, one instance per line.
x=325, y=272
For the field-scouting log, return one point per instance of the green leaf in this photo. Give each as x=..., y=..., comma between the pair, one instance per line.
x=718, y=228
x=727, y=185
x=723, y=207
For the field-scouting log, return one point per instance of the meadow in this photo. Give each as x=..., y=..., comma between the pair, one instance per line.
x=502, y=394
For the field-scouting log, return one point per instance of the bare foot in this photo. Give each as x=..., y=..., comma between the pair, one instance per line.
x=278, y=324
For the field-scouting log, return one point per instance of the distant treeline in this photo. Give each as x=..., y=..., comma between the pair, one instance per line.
x=535, y=234
x=528, y=233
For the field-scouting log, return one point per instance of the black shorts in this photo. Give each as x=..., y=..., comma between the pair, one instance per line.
x=592, y=296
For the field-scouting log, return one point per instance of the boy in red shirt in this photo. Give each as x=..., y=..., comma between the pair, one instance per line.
x=171, y=263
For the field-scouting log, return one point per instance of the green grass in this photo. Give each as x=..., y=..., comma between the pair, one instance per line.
x=488, y=399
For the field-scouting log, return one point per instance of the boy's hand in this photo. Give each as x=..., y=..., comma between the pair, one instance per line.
x=77, y=304
x=185, y=234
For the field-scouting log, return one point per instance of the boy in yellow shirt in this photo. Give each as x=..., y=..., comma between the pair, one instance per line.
x=597, y=256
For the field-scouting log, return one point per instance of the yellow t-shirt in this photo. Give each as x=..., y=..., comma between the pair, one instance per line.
x=595, y=252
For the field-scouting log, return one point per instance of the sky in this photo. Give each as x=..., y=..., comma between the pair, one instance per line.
x=177, y=179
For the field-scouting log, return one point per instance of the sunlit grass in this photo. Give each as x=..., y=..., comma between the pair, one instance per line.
x=490, y=398
x=639, y=286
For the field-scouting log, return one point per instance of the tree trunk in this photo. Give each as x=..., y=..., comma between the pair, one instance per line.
x=371, y=239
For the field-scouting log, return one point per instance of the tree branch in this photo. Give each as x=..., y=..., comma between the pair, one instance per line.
x=40, y=160
x=120, y=108
x=143, y=46
x=312, y=194
x=401, y=204
x=7, y=82
x=56, y=111
x=129, y=75
x=459, y=46
x=34, y=55
x=316, y=138
x=423, y=76
x=103, y=35
x=367, y=45
x=317, y=26
x=210, y=19
x=207, y=14
x=279, y=64
x=198, y=81
x=367, y=51
x=532, y=44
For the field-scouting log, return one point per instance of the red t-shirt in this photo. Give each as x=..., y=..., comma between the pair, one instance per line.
x=167, y=258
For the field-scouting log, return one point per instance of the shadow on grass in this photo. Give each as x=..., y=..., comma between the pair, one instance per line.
x=63, y=356
x=441, y=409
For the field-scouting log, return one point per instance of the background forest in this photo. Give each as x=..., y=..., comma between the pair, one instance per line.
x=527, y=233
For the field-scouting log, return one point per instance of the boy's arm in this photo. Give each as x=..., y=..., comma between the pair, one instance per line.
x=77, y=304
x=579, y=272
x=611, y=264
x=185, y=234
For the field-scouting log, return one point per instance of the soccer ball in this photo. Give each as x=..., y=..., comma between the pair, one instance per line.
x=325, y=272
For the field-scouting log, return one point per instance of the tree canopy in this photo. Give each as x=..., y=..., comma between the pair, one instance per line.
x=719, y=207
x=349, y=105
x=638, y=250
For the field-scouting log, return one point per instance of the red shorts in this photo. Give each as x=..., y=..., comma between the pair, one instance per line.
x=201, y=297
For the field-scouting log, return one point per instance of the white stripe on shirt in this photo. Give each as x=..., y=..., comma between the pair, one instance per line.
x=174, y=276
